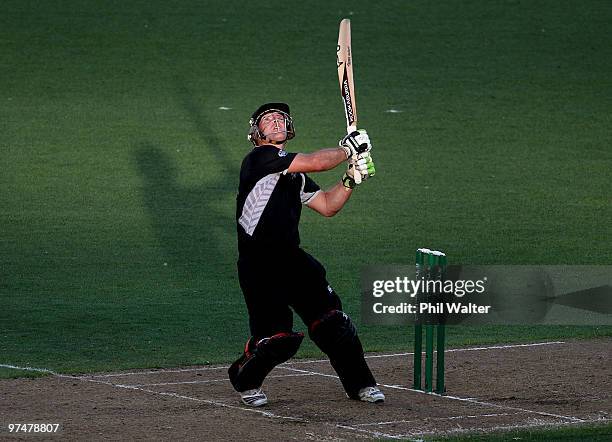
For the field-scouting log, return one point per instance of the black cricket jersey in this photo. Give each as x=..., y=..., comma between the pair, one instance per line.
x=269, y=201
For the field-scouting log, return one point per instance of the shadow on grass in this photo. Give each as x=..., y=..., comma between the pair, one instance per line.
x=194, y=229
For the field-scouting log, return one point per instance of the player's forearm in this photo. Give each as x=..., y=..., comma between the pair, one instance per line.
x=329, y=158
x=319, y=161
x=336, y=198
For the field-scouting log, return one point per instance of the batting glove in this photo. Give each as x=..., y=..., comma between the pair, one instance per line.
x=362, y=166
x=355, y=143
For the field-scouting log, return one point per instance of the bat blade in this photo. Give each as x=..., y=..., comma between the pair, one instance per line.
x=344, y=60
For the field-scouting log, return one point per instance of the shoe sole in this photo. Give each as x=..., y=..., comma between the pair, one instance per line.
x=254, y=402
x=377, y=401
x=372, y=401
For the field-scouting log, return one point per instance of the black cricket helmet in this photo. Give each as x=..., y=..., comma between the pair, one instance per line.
x=282, y=108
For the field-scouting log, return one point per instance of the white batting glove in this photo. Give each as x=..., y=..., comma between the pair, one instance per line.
x=364, y=165
x=355, y=143
x=359, y=168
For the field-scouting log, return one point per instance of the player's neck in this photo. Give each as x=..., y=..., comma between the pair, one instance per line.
x=278, y=146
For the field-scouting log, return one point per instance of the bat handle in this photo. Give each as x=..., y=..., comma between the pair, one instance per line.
x=356, y=174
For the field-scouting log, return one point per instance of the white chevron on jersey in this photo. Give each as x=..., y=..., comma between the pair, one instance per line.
x=256, y=202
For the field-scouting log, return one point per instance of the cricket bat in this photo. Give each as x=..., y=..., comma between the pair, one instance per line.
x=344, y=60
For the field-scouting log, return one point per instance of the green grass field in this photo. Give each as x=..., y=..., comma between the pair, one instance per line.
x=119, y=169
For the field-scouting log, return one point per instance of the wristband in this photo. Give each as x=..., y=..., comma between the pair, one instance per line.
x=347, y=151
x=348, y=182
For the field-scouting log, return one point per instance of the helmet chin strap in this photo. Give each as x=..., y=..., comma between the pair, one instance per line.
x=267, y=140
x=277, y=143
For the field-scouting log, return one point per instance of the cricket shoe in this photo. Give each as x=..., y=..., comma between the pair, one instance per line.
x=254, y=398
x=371, y=394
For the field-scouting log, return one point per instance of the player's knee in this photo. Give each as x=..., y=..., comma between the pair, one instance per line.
x=335, y=334
x=260, y=357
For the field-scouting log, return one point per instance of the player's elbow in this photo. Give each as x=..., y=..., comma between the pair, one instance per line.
x=330, y=212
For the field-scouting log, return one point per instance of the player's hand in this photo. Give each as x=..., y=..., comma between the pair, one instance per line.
x=355, y=143
x=364, y=165
x=348, y=180
x=358, y=169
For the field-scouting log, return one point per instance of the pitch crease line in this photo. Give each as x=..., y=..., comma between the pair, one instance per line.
x=473, y=416
x=221, y=404
x=38, y=370
x=487, y=404
x=195, y=399
x=208, y=381
x=457, y=350
x=457, y=398
x=373, y=433
x=161, y=393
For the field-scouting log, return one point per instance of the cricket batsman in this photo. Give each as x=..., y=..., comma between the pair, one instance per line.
x=276, y=276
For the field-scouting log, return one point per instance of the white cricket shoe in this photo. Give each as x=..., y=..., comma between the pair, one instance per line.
x=254, y=398
x=371, y=394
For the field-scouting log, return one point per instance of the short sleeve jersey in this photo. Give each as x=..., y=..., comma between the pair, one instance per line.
x=269, y=201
